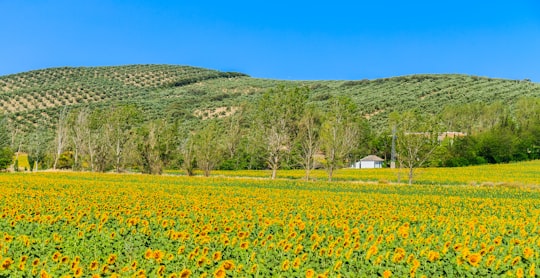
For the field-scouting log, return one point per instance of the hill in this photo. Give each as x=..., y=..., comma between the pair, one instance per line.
x=34, y=98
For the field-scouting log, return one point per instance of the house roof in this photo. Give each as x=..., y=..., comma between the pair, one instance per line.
x=371, y=158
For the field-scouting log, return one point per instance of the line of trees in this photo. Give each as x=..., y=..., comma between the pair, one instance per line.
x=279, y=130
x=282, y=129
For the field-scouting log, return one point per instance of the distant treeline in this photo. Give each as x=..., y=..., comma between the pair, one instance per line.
x=279, y=129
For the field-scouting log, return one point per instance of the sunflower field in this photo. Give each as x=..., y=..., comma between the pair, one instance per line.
x=109, y=225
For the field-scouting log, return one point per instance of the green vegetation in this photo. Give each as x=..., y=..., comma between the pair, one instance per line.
x=152, y=117
x=35, y=98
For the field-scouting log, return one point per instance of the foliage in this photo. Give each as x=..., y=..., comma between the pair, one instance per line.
x=340, y=133
x=482, y=108
x=6, y=157
x=35, y=98
x=417, y=138
x=208, y=147
x=277, y=116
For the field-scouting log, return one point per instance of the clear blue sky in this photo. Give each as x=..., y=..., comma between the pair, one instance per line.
x=300, y=40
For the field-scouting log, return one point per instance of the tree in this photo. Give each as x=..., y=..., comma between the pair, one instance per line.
x=187, y=151
x=6, y=158
x=36, y=147
x=340, y=133
x=308, y=139
x=497, y=145
x=186, y=146
x=417, y=136
x=208, y=150
x=6, y=153
x=97, y=145
x=61, y=136
x=79, y=130
x=278, y=112
x=119, y=128
x=232, y=139
x=149, y=147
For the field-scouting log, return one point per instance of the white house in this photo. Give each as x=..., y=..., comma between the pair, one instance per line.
x=368, y=162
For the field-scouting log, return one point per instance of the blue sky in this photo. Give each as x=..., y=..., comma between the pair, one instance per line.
x=297, y=40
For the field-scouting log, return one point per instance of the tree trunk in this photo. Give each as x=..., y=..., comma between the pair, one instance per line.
x=56, y=161
x=308, y=171
x=411, y=169
x=274, y=173
x=75, y=166
x=330, y=173
x=399, y=173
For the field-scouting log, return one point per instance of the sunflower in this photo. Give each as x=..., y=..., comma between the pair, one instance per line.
x=216, y=256
x=338, y=265
x=220, y=273
x=310, y=273
x=201, y=261
x=433, y=256
x=185, y=273
x=516, y=260
x=148, y=254
x=520, y=273
x=111, y=259
x=158, y=255
x=416, y=263
x=160, y=270
x=6, y=263
x=43, y=274
x=474, y=259
x=387, y=273
x=528, y=252
x=94, y=265
x=8, y=238
x=78, y=272
x=398, y=257
x=490, y=260
x=253, y=268
x=56, y=256
x=244, y=245
x=296, y=263
x=285, y=265
x=228, y=265
x=371, y=251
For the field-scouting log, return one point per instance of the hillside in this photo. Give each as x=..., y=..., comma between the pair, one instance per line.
x=34, y=98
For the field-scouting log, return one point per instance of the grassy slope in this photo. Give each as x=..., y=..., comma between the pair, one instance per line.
x=34, y=98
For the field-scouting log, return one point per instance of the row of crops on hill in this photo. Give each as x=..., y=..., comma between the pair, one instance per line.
x=142, y=76
x=179, y=91
x=31, y=99
x=102, y=225
x=430, y=93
